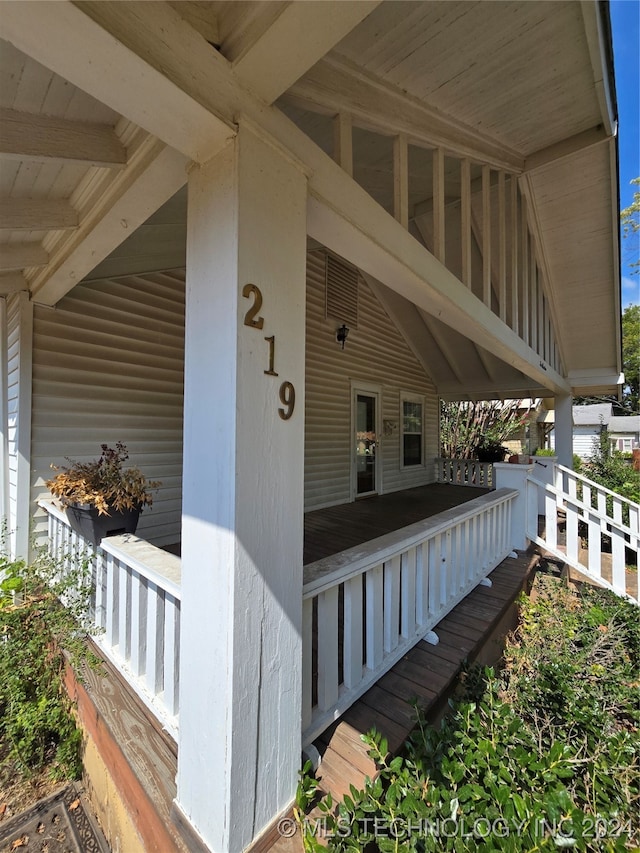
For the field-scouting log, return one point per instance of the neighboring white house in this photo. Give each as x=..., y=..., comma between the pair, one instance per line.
x=196, y=199
x=591, y=420
x=624, y=432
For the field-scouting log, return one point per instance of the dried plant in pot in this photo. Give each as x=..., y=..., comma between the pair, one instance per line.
x=102, y=497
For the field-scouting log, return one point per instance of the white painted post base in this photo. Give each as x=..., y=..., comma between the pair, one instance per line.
x=523, y=516
x=240, y=645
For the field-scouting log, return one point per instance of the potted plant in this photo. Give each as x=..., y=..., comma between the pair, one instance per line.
x=490, y=450
x=102, y=498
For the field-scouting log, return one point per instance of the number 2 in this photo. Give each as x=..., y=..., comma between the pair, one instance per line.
x=250, y=319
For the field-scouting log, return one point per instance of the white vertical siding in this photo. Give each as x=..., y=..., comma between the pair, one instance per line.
x=108, y=366
x=375, y=352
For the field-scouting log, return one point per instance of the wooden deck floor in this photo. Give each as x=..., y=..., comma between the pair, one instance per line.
x=329, y=531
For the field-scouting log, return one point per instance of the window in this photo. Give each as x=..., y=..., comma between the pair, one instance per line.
x=412, y=418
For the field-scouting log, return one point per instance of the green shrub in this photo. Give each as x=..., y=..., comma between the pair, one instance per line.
x=37, y=726
x=545, y=451
x=545, y=757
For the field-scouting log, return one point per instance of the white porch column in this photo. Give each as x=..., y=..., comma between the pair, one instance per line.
x=524, y=509
x=242, y=531
x=564, y=430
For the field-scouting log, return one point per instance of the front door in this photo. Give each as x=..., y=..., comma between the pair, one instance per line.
x=367, y=472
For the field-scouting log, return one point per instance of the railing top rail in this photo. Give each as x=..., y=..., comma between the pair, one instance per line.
x=158, y=566
x=597, y=486
x=337, y=568
x=558, y=493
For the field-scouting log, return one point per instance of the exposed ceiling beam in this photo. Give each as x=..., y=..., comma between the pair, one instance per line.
x=121, y=42
x=298, y=38
x=17, y=256
x=24, y=136
x=565, y=148
x=97, y=59
x=154, y=174
x=201, y=16
x=336, y=85
x=22, y=214
x=12, y=282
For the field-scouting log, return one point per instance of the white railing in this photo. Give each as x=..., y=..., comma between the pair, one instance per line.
x=135, y=608
x=601, y=529
x=464, y=472
x=364, y=608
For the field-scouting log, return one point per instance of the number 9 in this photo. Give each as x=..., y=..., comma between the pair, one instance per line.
x=288, y=399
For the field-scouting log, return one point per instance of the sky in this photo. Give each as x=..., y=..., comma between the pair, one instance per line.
x=625, y=26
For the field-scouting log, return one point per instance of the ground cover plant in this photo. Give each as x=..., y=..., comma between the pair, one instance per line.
x=542, y=756
x=40, y=744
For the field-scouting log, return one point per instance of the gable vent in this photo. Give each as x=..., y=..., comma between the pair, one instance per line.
x=341, y=291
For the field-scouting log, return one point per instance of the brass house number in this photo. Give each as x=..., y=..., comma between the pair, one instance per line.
x=287, y=393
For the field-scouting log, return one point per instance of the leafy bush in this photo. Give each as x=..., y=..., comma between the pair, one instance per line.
x=37, y=726
x=609, y=469
x=545, y=756
x=545, y=451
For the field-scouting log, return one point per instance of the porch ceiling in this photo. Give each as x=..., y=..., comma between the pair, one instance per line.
x=524, y=86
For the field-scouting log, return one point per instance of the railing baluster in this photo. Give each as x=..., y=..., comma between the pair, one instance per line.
x=408, y=594
x=595, y=544
x=422, y=582
x=328, y=648
x=171, y=654
x=155, y=634
x=124, y=610
x=113, y=600
x=391, y=603
x=307, y=660
x=138, y=623
x=353, y=632
x=375, y=617
x=618, y=577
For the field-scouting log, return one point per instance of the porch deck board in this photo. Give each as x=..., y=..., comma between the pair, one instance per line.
x=336, y=528
x=426, y=674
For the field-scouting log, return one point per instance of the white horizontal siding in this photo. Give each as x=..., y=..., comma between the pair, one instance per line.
x=375, y=352
x=13, y=395
x=584, y=440
x=108, y=366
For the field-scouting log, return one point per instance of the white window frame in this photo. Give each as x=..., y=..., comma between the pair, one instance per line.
x=409, y=397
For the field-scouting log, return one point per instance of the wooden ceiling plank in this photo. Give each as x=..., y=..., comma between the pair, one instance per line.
x=89, y=45
x=299, y=36
x=25, y=136
x=18, y=256
x=20, y=214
